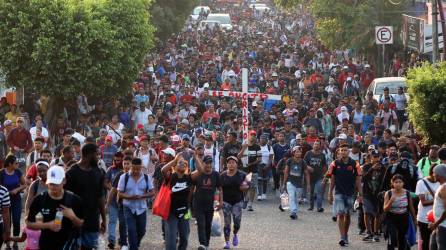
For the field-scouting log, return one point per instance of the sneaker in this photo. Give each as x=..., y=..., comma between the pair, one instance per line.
x=281, y=208
x=124, y=248
x=320, y=210
x=334, y=218
x=201, y=247
x=342, y=243
x=293, y=216
x=376, y=238
x=301, y=201
x=250, y=208
x=235, y=240
x=368, y=237
x=310, y=208
x=346, y=240
x=259, y=197
x=111, y=245
x=263, y=196
x=227, y=246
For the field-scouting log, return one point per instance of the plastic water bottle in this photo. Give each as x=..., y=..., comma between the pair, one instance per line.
x=59, y=217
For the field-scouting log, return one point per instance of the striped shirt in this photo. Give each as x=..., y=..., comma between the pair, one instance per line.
x=4, y=200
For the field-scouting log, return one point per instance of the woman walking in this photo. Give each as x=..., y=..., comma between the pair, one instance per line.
x=233, y=184
x=399, y=208
x=12, y=178
x=425, y=190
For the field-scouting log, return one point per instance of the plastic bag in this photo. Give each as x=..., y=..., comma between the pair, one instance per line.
x=216, y=225
x=161, y=205
x=284, y=201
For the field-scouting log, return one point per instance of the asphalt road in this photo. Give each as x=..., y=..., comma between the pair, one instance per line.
x=268, y=228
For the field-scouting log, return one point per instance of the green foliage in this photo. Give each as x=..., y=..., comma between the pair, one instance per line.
x=60, y=48
x=427, y=106
x=351, y=24
x=169, y=16
x=288, y=4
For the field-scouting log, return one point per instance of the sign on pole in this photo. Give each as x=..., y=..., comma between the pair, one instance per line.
x=384, y=34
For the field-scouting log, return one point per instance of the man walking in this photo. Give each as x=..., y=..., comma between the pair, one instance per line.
x=438, y=237
x=86, y=180
x=134, y=188
x=345, y=176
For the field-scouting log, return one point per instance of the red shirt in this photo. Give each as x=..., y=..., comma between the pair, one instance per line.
x=367, y=78
x=20, y=138
x=186, y=98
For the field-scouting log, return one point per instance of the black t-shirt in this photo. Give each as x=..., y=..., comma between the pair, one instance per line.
x=231, y=187
x=372, y=180
x=180, y=194
x=253, y=154
x=296, y=170
x=206, y=185
x=115, y=185
x=318, y=162
x=47, y=206
x=230, y=149
x=89, y=185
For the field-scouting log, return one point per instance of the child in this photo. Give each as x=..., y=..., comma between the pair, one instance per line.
x=31, y=236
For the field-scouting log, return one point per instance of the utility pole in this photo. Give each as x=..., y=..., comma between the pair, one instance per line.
x=443, y=27
x=434, y=32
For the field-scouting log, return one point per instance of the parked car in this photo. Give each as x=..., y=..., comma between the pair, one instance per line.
x=393, y=83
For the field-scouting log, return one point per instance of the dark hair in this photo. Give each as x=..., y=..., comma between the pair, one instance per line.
x=47, y=151
x=10, y=159
x=128, y=153
x=89, y=149
x=136, y=161
x=75, y=142
x=127, y=158
x=343, y=146
x=397, y=177
x=90, y=139
x=66, y=149
x=41, y=139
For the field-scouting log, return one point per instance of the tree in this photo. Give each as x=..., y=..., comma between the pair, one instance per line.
x=427, y=106
x=169, y=16
x=60, y=48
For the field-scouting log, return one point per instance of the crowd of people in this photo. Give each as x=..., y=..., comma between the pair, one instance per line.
x=100, y=167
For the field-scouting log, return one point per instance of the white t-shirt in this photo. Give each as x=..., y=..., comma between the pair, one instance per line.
x=400, y=101
x=115, y=135
x=422, y=189
x=33, y=132
x=266, y=151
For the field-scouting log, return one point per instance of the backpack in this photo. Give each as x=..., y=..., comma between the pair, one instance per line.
x=401, y=163
x=126, y=180
x=423, y=161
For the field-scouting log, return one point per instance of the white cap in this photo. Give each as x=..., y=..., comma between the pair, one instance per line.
x=349, y=78
x=274, y=74
x=299, y=137
x=367, y=66
x=343, y=108
x=342, y=136
x=169, y=151
x=345, y=67
x=371, y=147
x=175, y=138
x=55, y=175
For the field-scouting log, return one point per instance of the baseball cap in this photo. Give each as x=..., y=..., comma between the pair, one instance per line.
x=109, y=138
x=349, y=79
x=175, y=138
x=169, y=151
x=140, y=126
x=185, y=122
x=342, y=136
x=367, y=66
x=343, y=108
x=7, y=123
x=299, y=137
x=185, y=137
x=144, y=138
x=296, y=148
x=208, y=159
x=374, y=153
x=371, y=147
x=55, y=175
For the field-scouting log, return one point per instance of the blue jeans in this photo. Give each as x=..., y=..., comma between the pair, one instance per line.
x=294, y=194
x=116, y=214
x=343, y=204
x=136, y=227
x=317, y=193
x=177, y=227
x=90, y=240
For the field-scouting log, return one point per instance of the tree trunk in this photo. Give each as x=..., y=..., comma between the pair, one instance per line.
x=55, y=108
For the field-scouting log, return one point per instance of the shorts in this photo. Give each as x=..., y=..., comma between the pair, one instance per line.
x=369, y=207
x=254, y=181
x=343, y=204
x=90, y=239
